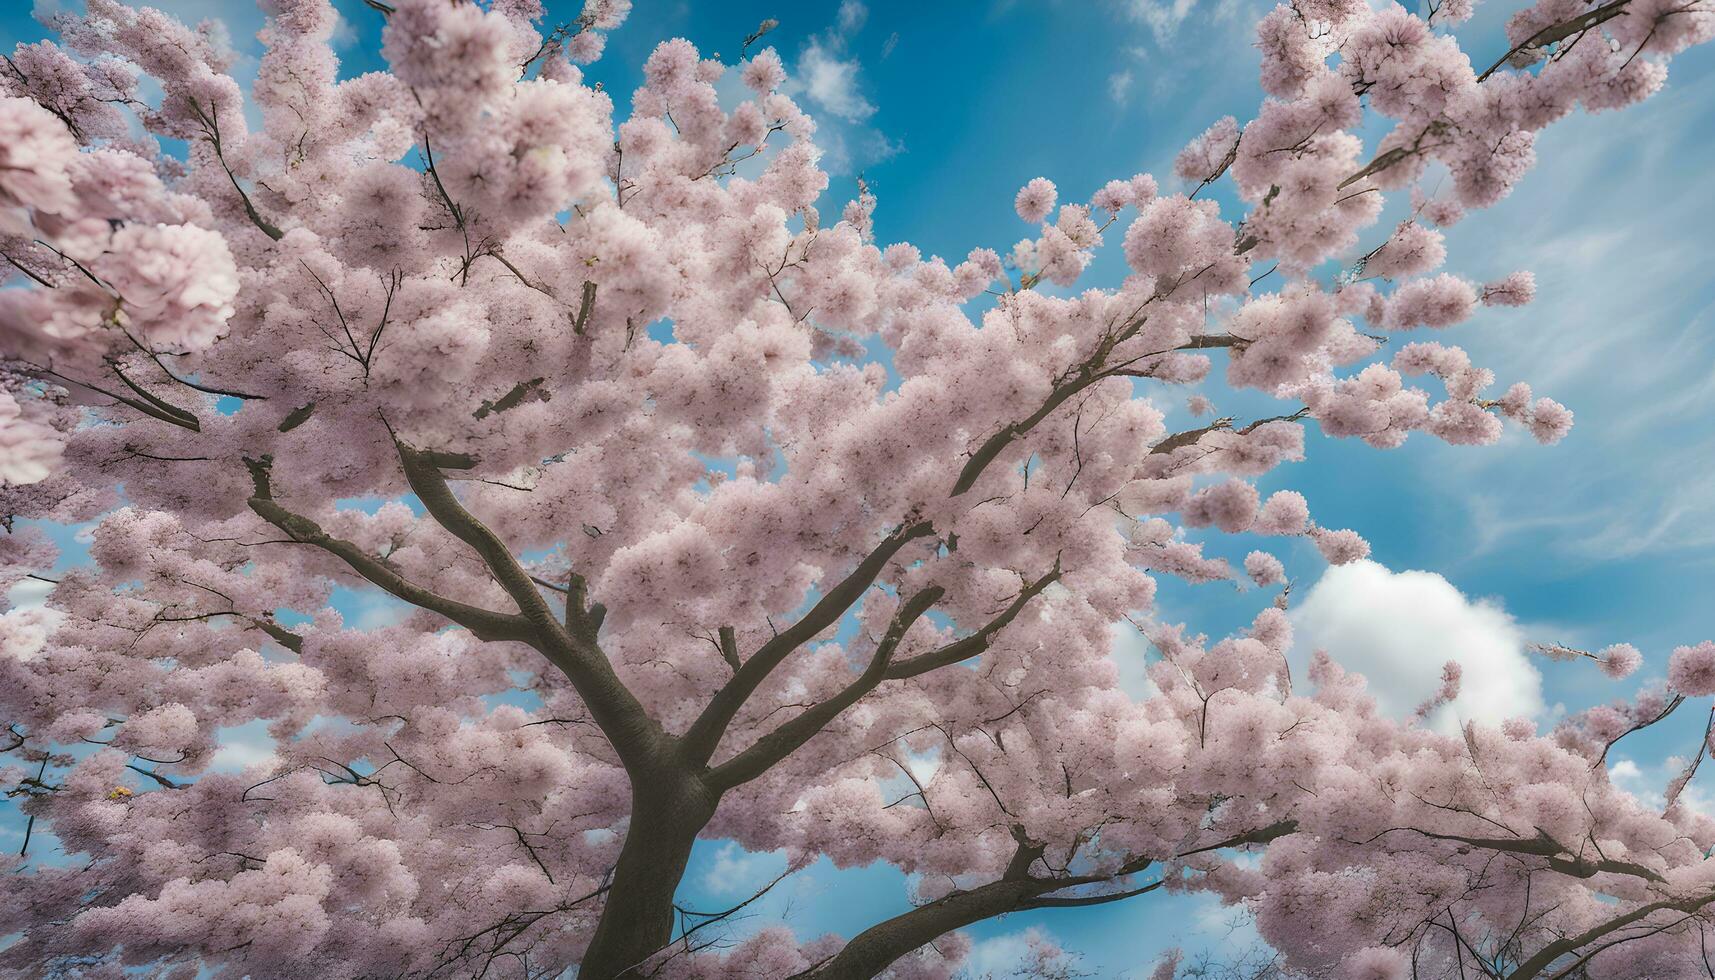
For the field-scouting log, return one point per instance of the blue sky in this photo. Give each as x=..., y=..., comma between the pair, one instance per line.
x=947, y=108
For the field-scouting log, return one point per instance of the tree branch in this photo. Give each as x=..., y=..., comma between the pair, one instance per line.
x=486, y=624
x=783, y=741
x=622, y=718
x=1080, y=901
x=1546, y=956
x=1549, y=849
x=1261, y=835
x=1559, y=32
x=969, y=646
x=704, y=735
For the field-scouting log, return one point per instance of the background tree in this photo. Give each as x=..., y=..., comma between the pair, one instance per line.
x=688, y=558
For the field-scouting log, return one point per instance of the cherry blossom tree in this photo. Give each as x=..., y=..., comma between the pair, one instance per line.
x=599, y=403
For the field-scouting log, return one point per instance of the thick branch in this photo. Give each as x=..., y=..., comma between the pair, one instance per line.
x=297, y=417
x=520, y=393
x=1546, y=956
x=585, y=306
x=1081, y=901
x=1094, y=369
x=1548, y=848
x=634, y=735
x=967, y=647
x=1261, y=835
x=431, y=488
x=783, y=741
x=873, y=950
x=1179, y=440
x=1559, y=32
x=994, y=445
x=280, y=634
x=1190, y=437
x=704, y=735
x=486, y=624
x=171, y=415
x=211, y=129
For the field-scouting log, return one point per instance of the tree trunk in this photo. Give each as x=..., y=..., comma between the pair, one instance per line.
x=876, y=948
x=667, y=813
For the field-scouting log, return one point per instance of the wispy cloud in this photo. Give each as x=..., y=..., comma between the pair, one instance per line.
x=1649, y=783
x=1162, y=17
x=831, y=82
x=242, y=747
x=1119, y=86
x=736, y=871
x=829, y=78
x=852, y=16
x=1621, y=332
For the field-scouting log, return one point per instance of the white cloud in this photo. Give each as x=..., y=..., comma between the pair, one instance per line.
x=374, y=609
x=1162, y=17
x=831, y=82
x=344, y=32
x=29, y=593
x=1649, y=784
x=1119, y=86
x=1625, y=773
x=1130, y=653
x=852, y=16
x=735, y=870
x=1399, y=628
x=827, y=78
x=1005, y=955
x=241, y=747
x=1233, y=923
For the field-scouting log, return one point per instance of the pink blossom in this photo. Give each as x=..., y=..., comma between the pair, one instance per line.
x=1412, y=251
x=1035, y=200
x=1205, y=157
x=1340, y=547
x=1175, y=236
x=452, y=441
x=1620, y=660
x=1115, y=194
x=605, y=15
x=176, y=283
x=586, y=47
x=1143, y=189
x=1438, y=302
x=1550, y=421
x=1285, y=512
x=1231, y=506
x=1376, y=963
x=36, y=153
x=1691, y=669
x=1517, y=289
x=764, y=72
x=1451, y=673
x=1264, y=569
x=28, y=450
